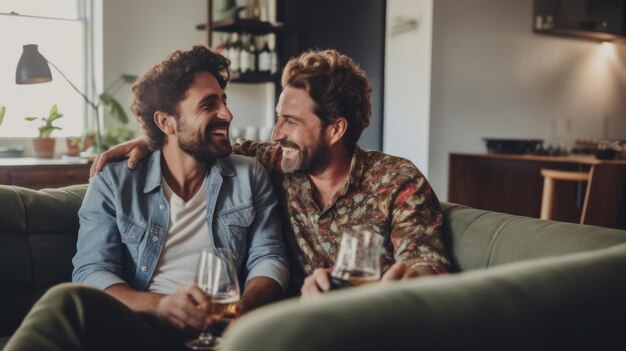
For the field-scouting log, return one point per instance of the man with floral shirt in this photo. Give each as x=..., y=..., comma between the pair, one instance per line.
x=327, y=184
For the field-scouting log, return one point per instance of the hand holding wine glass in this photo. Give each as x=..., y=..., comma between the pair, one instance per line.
x=216, y=276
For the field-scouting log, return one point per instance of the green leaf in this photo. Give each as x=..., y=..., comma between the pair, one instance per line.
x=54, y=117
x=53, y=111
x=129, y=78
x=46, y=128
x=45, y=131
x=114, y=108
x=2, y=111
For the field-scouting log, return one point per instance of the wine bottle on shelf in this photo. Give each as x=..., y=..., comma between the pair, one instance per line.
x=223, y=48
x=256, y=10
x=234, y=53
x=273, y=60
x=264, y=58
x=244, y=58
x=252, y=55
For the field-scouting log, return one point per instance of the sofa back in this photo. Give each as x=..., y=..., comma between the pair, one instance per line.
x=38, y=231
x=480, y=239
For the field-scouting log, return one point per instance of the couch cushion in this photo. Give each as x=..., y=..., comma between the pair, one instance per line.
x=479, y=239
x=38, y=232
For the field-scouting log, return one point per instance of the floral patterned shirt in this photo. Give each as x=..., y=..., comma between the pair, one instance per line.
x=383, y=193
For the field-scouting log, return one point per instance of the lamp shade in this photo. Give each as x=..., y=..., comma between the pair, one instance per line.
x=33, y=67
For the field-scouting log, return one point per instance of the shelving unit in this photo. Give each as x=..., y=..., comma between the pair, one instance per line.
x=237, y=25
x=250, y=26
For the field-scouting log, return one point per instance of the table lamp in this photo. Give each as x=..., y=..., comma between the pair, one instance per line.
x=32, y=68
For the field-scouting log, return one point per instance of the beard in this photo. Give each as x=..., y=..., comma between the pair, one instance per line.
x=309, y=158
x=208, y=148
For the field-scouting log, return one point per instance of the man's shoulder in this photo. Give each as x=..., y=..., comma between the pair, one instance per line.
x=120, y=168
x=377, y=161
x=117, y=173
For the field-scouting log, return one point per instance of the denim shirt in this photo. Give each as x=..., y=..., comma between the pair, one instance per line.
x=124, y=220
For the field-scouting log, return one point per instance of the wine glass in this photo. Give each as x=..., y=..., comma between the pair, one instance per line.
x=358, y=260
x=216, y=276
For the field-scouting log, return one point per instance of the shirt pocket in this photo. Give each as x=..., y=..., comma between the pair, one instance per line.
x=131, y=235
x=236, y=224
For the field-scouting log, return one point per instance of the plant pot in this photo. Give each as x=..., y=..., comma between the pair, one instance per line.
x=44, y=148
x=73, y=147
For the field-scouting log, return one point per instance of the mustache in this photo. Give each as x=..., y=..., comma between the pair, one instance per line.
x=289, y=144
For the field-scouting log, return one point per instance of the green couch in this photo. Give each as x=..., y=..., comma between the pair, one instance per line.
x=519, y=283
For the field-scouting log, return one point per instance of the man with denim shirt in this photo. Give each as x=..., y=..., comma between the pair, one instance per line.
x=141, y=230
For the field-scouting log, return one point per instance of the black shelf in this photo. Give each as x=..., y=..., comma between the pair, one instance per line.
x=253, y=78
x=237, y=25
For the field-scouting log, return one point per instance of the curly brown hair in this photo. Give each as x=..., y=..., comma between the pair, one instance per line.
x=163, y=86
x=337, y=85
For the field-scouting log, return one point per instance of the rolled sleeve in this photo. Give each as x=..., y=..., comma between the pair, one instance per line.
x=102, y=280
x=271, y=269
x=98, y=259
x=266, y=252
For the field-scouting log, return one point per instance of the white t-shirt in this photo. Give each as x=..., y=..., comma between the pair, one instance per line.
x=187, y=234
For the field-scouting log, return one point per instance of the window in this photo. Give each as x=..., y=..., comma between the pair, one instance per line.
x=59, y=29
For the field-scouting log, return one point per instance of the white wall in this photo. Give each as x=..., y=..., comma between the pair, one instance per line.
x=140, y=33
x=492, y=77
x=407, y=80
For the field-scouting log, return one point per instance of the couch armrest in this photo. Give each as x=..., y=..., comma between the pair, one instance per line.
x=569, y=302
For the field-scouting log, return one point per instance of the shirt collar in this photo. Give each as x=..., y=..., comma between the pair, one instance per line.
x=357, y=166
x=153, y=179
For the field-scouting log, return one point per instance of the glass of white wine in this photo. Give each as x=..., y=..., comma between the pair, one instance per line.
x=216, y=276
x=358, y=260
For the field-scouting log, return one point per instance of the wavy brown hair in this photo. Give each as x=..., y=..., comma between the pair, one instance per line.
x=337, y=85
x=163, y=86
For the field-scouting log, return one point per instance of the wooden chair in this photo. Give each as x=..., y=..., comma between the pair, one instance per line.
x=605, y=186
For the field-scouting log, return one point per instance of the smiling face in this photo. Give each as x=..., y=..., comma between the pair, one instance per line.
x=299, y=132
x=204, y=118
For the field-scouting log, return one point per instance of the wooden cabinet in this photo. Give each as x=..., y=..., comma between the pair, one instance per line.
x=513, y=184
x=39, y=173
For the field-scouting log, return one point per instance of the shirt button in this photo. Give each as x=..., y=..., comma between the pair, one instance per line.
x=144, y=268
x=155, y=238
x=162, y=207
x=124, y=235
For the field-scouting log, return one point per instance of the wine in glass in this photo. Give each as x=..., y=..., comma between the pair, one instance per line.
x=358, y=260
x=216, y=276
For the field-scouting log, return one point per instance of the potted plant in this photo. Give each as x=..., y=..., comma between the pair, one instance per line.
x=44, y=144
x=73, y=146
